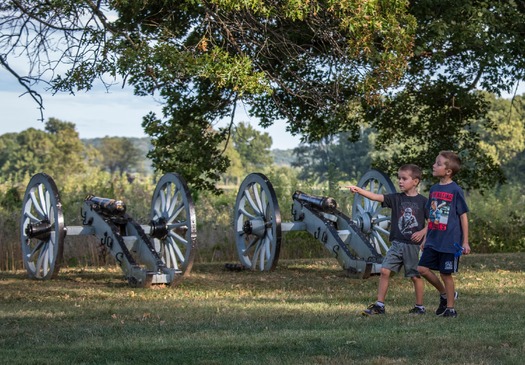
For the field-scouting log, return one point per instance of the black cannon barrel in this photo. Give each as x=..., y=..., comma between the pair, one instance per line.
x=107, y=206
x=322, y=202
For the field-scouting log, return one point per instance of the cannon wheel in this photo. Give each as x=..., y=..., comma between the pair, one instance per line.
x=374, y=220
x=42, y=229
x=257, y=223
x=173, y=223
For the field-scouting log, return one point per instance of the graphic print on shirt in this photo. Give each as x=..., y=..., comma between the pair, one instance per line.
x=439, y=210
x=407, y=222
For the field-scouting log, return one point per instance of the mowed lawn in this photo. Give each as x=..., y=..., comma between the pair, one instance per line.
x=305, y=312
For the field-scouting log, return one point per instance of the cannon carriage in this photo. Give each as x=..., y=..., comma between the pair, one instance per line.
x=163, y=251
x=358, y=243
x=160, y=253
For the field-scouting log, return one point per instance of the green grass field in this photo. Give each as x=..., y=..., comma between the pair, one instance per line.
x=305, y=312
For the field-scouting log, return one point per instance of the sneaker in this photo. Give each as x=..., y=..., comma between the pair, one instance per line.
x=374, y=309
x=450, y=312
x=417, y=310
x=443, y=304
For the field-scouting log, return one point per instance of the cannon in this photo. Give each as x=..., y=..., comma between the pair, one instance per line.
x=160, y=253
x=358, y=243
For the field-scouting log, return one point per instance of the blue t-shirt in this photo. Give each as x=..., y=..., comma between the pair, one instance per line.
x=409, y=215
x=446, y=203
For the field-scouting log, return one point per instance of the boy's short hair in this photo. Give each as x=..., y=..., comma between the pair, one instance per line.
x=452, y=161
x=415, y=170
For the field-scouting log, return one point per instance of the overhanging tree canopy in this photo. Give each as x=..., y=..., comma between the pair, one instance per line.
x=460, y=48
x=301, y=60
x=297, y=59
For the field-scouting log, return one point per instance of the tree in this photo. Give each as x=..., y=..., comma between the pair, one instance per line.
x=253, y=147
x=336, y=159
x=506, y=137
x=57, y=151
x=304, y=61
x=235, y=171
x=298, y=60
x=460, y=48
x=119, y=154
x=316, y=163
x=505, y=141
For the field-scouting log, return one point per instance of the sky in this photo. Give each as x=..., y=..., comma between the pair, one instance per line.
x=97, y=113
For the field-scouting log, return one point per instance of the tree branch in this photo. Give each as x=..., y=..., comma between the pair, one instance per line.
x=24, y=81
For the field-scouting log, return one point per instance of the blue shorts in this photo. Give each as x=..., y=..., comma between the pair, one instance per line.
x=446, y=263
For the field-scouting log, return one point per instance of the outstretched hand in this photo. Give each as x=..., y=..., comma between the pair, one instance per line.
x=353, y=189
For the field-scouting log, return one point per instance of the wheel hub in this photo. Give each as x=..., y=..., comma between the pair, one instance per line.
x=158, y=228
x=364, y=222
x=41, y=230
x=255, y=226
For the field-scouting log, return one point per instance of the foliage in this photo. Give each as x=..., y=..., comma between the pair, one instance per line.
x=120, y=154
x=235, y=171
x=497, y=222
x=193, y=151
x=253, y=147
x=516, y=168
x=506, y=138
x=282, y=157
x=297, y=60
x=334, y=159
x=140, y=146
x=57, y=151
x=422, y=124
x=505, y=141
x=308, y=62
x=306, y=312
x=459, y=47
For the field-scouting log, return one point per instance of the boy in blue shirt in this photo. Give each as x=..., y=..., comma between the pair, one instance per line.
x=447, y=232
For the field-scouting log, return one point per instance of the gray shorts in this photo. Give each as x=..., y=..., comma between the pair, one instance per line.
x=402, y=254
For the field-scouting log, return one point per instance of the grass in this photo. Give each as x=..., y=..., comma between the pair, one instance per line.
x=305, y=312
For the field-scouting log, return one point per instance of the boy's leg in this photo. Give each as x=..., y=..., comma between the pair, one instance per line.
x=379, y=306
x=430, y=260
x=431, y=278
x=391, y=262
x=410, y=261
x=383, y=284
x=449, y=264
x=419, y=287
x=450, y=289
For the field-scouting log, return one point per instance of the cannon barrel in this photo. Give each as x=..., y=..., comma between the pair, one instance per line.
x=107, y=206
x=326, y=204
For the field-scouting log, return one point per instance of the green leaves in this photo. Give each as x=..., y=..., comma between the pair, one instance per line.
x=56, y=151
x=233, y=73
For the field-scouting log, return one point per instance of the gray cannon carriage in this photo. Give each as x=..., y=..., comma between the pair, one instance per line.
x=159, y=254
x=358, y=243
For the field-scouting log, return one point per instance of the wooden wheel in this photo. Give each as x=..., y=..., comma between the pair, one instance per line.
x=374, y=220
x=173, y=223
x=257, y=223
x=42, y=230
